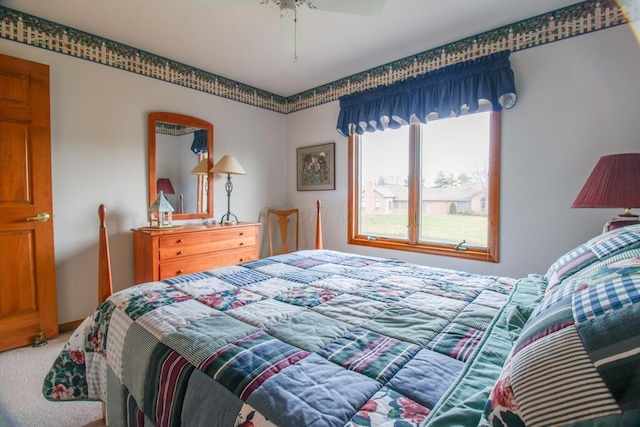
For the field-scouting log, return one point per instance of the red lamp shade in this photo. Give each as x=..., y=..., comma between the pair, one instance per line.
x=613, y=183
x=164, y=185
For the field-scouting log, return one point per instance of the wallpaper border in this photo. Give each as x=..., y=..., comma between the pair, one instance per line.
x=571, y=21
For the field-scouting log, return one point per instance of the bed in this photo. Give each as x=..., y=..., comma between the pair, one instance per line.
x=325, y=338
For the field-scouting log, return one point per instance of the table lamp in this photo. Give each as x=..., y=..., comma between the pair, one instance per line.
x=613, y=183
x=202, y=168
x=164, y=185
x=229, y=165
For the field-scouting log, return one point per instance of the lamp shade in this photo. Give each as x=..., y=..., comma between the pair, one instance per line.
x=164, y=185
x=613, y=183
x=202, y=168
x=228, y=164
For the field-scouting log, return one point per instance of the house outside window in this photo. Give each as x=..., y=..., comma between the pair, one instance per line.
x=441, y=181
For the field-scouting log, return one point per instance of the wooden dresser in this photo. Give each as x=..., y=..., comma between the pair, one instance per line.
x=159, y=254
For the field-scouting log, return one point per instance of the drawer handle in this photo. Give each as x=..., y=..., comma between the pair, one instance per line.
x=241, y=259
x=180, y=252
x=180, y=271
x=241, y=244
x=241, y=233
x=179, y=241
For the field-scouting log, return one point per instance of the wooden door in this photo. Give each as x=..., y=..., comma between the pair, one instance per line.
x=27, y=265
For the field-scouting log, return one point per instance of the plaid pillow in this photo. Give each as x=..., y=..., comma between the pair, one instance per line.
x=597, y=249
x=608, y=244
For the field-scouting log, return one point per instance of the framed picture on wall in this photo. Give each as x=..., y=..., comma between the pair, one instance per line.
x=315, y=167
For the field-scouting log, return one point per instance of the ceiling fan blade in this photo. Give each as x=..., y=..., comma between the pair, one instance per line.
x=354, y=7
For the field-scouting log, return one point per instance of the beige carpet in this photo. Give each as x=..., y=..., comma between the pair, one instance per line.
x=21, y=402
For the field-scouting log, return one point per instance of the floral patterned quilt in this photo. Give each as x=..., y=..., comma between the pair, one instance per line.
x=310, y=338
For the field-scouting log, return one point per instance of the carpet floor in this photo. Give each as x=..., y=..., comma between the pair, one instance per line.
x=21, y=401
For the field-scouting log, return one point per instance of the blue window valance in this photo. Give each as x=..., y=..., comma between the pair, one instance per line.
x=199, y=144
x=446, y=91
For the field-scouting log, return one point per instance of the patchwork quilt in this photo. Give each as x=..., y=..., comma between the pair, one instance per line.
x=311, y=338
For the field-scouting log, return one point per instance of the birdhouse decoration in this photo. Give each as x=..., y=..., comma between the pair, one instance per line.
x=160, y=212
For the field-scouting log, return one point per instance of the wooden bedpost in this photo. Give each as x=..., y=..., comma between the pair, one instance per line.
x=105, y=287
x=318, y=227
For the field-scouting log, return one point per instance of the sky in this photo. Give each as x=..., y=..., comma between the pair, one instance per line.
x=456, y=145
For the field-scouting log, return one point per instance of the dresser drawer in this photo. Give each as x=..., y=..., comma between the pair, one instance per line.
x=200, y=238
x=187, y=249
x=194, y=264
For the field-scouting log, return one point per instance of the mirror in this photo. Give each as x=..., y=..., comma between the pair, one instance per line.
x=177, y=144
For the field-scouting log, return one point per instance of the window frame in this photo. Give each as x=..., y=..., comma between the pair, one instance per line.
x=488, y=254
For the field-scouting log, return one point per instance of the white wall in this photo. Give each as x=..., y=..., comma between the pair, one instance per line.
x=577, y=100
x=99, y=155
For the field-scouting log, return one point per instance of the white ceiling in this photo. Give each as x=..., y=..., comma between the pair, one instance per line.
x=240, y=39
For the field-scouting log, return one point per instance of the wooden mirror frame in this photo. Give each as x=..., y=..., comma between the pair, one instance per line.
x=179, y=119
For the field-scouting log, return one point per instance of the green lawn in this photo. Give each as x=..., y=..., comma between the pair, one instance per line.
x=443, y=227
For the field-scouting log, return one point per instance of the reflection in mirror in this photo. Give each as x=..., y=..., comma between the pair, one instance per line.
x=180, y=153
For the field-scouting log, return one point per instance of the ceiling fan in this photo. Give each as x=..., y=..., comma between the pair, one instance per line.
x=289, y=15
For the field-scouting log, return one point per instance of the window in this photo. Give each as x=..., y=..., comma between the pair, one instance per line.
x=443, y=179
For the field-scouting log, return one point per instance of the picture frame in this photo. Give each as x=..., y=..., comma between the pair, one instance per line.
x=315, y=167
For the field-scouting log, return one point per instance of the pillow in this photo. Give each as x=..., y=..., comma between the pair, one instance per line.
x=598, y=248
x=569, y=263
x=577, y=358
x=607, y=244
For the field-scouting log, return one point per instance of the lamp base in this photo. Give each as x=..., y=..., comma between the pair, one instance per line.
x=227, y=219
x=620, y=221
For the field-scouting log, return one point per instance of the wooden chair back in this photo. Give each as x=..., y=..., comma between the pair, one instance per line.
x=281, y=220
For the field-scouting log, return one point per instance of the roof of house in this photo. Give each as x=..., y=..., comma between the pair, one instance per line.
x=395, y=191
x=461, y=193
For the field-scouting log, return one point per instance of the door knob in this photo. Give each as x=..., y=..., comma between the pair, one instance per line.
x=41, y=217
